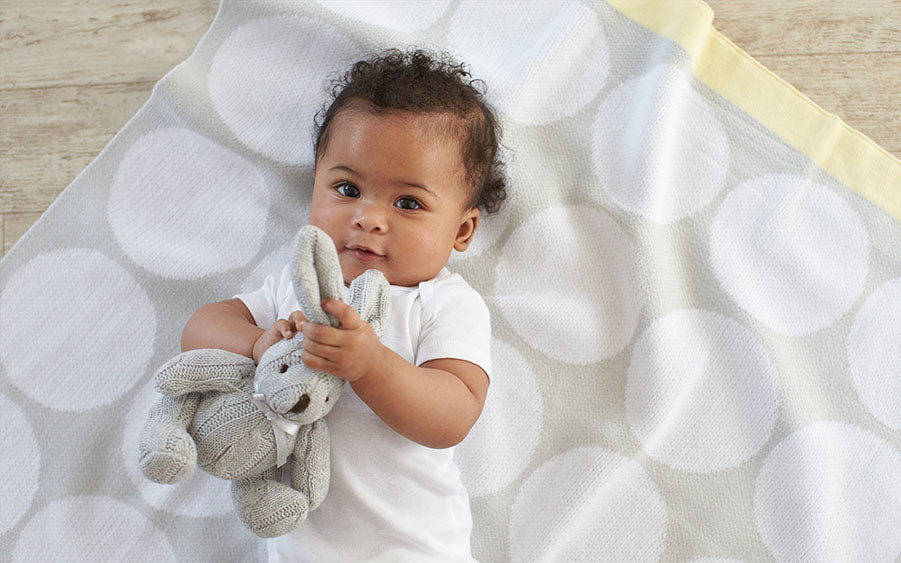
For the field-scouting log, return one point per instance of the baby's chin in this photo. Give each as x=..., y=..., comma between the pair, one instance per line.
x=350, y=273
x=351, y=270
x=350, y=277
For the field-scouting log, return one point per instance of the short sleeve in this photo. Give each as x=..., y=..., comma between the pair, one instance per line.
x=455, y=323
x=270, y=299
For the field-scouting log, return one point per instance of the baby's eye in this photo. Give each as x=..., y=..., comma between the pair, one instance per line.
x=408, y=203
x=348, y=190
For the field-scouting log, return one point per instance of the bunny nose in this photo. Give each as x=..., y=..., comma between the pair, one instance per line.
x=302, y=403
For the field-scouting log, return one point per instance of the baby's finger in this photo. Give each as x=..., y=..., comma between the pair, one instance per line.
x=322, y=334
x=323, y=351
x=313, y=361
x=283, y=327
x=345, y=313
x=296, y=319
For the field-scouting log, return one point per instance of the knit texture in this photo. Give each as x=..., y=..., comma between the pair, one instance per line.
x=206, y=416
x=695, y=319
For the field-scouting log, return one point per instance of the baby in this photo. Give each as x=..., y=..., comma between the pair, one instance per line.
x=406, y=156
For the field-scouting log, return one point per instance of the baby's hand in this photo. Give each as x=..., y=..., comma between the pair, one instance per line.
x=349, y=351
x=283, y=328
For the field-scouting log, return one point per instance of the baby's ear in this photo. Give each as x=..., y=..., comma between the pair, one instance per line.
x=467, y=229
x=316, y=273
x=370, y=297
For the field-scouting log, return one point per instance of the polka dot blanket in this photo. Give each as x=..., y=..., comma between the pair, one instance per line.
x=695, y=290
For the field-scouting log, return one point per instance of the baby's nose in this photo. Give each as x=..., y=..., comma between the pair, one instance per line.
x=371, y=219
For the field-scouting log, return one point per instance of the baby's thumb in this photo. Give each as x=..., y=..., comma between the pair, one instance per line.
x=344, y=312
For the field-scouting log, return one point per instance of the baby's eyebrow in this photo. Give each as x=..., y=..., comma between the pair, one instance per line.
x=343, y=167
x=419, y=186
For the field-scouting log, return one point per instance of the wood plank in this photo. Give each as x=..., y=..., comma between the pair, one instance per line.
x=46, y=43
x=767, y=27
x=845, y=56
x=49, y=135
x=71, y=75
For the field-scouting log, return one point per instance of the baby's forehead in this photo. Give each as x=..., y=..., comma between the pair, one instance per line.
x=442, y=128
x=443, y=125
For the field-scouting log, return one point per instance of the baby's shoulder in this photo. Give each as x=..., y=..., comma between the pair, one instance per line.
x=449, y=290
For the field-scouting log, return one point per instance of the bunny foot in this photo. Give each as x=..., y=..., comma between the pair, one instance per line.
x=269, y=508
x=167, y=452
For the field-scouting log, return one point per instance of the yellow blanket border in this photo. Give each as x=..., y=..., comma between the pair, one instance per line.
x=843, y=152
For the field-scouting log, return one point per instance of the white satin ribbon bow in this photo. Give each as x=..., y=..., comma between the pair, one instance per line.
x=281, y=426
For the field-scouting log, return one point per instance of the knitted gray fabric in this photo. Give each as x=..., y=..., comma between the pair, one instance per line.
x=203, y=370
x=212, y=412
x=167, y=452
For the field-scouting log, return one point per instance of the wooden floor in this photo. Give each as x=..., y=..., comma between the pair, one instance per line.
x=73, y=72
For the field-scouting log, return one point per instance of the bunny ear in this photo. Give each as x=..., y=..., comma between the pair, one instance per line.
x=316, y=273
x=370, y=297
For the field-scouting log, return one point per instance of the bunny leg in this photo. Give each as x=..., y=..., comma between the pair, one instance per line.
x=167, y=452
x=267, y=507
x=311, y=467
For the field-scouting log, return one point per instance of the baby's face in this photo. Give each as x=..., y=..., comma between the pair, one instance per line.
x=389, y=191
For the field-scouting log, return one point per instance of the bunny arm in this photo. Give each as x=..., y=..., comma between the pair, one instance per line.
x=203, y=370
x=167, y=452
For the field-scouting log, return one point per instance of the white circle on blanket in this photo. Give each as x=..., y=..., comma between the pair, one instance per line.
x=20, y=464
x=268, y=79
x=509, y=427
x=76, y=330
x=400, y=15
x=701, y=391
x=184, y=207
x=874, y=353
x=201, y=495
x=568, y=283
x=91, y=528
x=588, y=504
x=659, y=149
x=830, y=492
x=790, y=252
x=542, y=62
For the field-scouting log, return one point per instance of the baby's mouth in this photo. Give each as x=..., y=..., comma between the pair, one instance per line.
x=364, y=254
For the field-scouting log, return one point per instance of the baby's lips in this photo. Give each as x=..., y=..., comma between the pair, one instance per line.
x=365, y=255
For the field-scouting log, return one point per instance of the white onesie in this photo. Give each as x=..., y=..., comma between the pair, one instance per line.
x=389, y=499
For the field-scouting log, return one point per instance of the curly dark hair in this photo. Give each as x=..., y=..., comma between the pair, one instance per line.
x=422, y=82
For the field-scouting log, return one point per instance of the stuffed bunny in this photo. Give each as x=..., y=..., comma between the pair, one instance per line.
x=240, y=422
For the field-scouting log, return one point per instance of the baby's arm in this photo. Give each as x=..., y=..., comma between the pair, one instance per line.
x=435, y=404
x=229, y=325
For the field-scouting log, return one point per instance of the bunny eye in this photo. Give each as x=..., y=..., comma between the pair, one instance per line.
x=283, y=369
x=327, y=398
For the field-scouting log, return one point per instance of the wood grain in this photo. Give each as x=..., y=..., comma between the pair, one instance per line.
x=71, y=75
x=845, y=56
x=73, y=72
